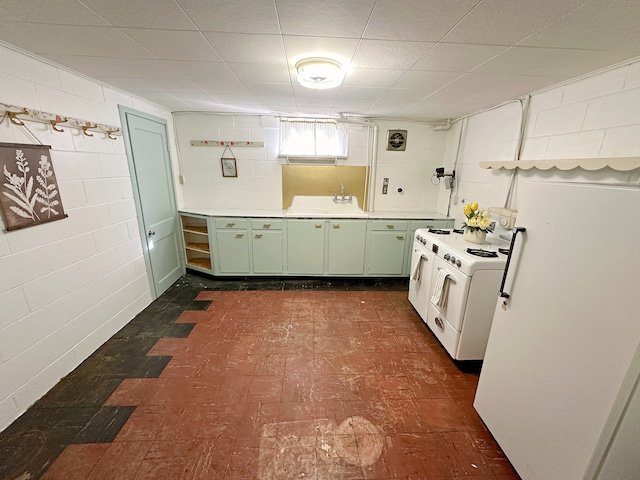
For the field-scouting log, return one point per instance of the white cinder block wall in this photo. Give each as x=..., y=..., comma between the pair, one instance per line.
x=69, y=285
x=595, y=117
x=411, y=169
x=259, y=182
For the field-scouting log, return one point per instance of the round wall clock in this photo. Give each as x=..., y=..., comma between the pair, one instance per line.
x=397, y=140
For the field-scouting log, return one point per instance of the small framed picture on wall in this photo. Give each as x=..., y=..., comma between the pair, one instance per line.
x=229, y=167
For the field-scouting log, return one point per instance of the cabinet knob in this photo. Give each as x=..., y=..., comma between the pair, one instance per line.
x=400, y=237
x=258, y=235
x=318, y=225
x=391, y=227
x=336, y=225
x=231, y=225
x=239, y=235
x=266, y=225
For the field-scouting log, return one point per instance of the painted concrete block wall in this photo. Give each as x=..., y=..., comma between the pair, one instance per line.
x=595, y=117
x=69, y=285
x=411, y=169
x=259, y=182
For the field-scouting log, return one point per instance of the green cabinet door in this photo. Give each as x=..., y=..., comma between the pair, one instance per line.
x=346, y=247
x=267, y=251
x=386, y=253
x=233, y=251
x=305, y=246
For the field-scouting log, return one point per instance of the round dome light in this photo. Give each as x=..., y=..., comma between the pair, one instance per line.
x=319, y=73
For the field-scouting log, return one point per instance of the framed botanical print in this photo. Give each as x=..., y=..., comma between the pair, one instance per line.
x=229, y=167
x=29, y=192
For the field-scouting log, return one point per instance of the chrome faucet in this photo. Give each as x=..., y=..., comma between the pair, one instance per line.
x=342, y=191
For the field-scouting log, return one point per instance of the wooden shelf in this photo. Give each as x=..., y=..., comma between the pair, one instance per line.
x=198, y=247
x=200, y=263
x=620, y=164
x=202, y=230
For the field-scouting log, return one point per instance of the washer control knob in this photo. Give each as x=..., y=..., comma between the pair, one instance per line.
x=453, y=259
x=447, y=256
x=459, y=263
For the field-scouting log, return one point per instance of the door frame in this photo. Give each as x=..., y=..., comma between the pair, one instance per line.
x=124, y=111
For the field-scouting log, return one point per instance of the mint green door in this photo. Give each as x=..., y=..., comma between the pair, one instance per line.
x=150, y=165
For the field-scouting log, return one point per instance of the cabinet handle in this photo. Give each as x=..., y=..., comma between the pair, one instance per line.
x=266, y=225
x=231, y=225
x=391, y=227
x=239, y=235
x=318, y=225
x=258, y=235
x=399, y=237
x=336, y=225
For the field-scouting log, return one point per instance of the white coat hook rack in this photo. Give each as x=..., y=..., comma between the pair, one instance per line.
x=224, y=143
x=18, y=114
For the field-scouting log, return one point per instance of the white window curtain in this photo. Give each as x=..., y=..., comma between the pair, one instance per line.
x=312, y=138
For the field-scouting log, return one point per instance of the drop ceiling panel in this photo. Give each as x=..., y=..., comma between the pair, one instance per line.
x=270, y=89
x=144, y=68
x=223, y=88
x=72, y=40
x=153, y=14
x=415, y=20
x=60, y=12
x=341, y=49
x=507, y=22
x=426, y=82
x=237, y=16
x=174, y=45
x=90, y=66
x=258, y=73
x=386, y=54
x=456, y=57
x=372, y=77
x=360, y=93
x=328, y=18
x=212, y=71
x=248, y=48
x=174, y=85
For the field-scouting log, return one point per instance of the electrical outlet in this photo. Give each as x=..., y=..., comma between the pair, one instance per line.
x=385, y=186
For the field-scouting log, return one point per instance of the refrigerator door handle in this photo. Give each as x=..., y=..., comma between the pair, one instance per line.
x=516, y=230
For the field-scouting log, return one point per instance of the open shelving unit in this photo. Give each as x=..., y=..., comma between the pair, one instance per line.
x=195, y=232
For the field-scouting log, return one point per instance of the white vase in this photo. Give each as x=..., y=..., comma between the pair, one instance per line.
x=474, y=236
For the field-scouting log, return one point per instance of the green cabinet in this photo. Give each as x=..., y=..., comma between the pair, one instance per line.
x=305, y=246
x=195, y=235
x=346, y=247
x=387, y=247
x=267, y=246
x=232, y=245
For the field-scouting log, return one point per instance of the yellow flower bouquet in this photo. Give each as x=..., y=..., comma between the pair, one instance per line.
x=477, y=218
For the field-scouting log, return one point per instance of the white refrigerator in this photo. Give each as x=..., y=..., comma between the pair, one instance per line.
x=558, y=387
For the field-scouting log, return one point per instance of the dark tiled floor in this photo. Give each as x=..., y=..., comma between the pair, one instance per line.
x=262, y=379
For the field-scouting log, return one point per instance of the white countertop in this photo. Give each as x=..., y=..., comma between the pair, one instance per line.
x=228, y=212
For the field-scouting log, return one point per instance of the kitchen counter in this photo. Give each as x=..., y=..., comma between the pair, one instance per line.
x=227, y=212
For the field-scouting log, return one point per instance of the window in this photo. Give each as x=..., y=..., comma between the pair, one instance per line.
x=313, y=138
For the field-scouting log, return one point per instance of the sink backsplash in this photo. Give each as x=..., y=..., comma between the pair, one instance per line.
x=323, y=181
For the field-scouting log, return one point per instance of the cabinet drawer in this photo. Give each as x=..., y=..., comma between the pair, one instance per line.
x=266, y=224
x=415, y=224
x=387, y=225
x=223, y=223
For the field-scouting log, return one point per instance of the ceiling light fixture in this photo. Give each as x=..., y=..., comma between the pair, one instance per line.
x=319, y=73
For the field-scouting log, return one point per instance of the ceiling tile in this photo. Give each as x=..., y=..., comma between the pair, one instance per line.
x=416, y=20
x=328, y=18
x=234, y=87
x=174, y=85
x=174, y=45
x=90, y=66
x=455, y=57
x=129, y=84
x=325, y=95
x=154, y=14
x=237, y=16
x=144, y=68
x=599, y=25
x=388, y=54
x=372, y=77
x=272, y=100
x=237, y=99
x=257, y=73
x=248, y=48
x=426, y=82
x=9, y=17
x=360, y=93
x=72, y=40
x=61, y=12
x=212, y=71
x=270, y=89
x=507, y=22
x=551, y=61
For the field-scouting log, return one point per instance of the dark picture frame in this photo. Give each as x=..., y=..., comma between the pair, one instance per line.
x=29, y=193
x=229, y=167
